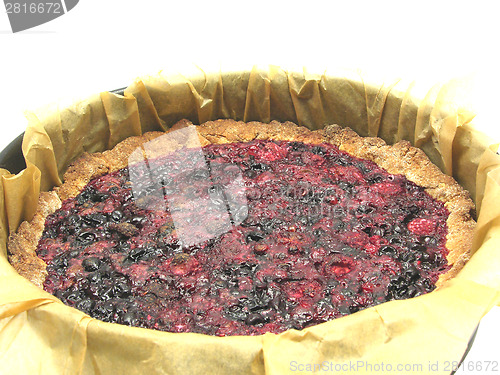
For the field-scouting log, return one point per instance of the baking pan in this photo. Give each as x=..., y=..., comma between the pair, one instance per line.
x=11, y=158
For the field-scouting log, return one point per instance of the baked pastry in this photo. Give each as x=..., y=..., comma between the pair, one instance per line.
x=232, y=228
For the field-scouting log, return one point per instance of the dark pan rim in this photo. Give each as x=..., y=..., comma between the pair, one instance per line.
x=11, y=157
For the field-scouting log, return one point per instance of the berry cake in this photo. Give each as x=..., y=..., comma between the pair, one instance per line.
x=248, y=228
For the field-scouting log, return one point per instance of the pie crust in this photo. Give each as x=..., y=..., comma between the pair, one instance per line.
x=400, y=158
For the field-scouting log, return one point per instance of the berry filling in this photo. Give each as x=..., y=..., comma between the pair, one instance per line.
x=249, y=238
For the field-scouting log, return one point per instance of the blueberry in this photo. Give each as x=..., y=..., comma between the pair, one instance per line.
x=146, y=251
x=91, y=264
x=338, y=212
x=426, y=284
x=259, y=167
x=364, y=209
x=94, y=220
x=103, y=311
x=388, y=250
x=418, y=247
x=426, y=257
x=281, y=255
x=63, y=229
x=401, y=293
x=303, y=219
x=74, y=219
x=137, y=253
x=395, y=241
x=412, y=273
x=138, y=221
x=129, y=319
x=375, y=179
x=98, y=196
x=398, y=228
x=368, y=230
x=116, y=216
x=297, y=146
x=83, y=197
x=60, y=264
x=414, y=210
x=95, y=277
x=429, y=240
x=412, y=291
x=254, y=305
x=407, y=257
x=121, y=289
x=303, y=318
x=353, y=309
x=106, y=292
x=318, y=150
x=347, y=187
x=347, y=293
x=245, y=269
x=278, y=304
x=254, y=319
x=269, y=225
x=85, y=305
x=72, y=296
x=399, y=288
x=319, y=232
x=85, y=237
x=122, y=247
x=409, y=217
x=250, y=173
x=254, y=237
x=99, y=312
x=361, y=165
x=105, y=271
x=236, y=312
x=341, y=160
x=219, y=284
x=49, y=232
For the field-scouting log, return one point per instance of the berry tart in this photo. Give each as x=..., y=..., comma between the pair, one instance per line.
x=250, y=228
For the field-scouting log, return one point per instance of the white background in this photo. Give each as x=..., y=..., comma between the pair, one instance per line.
x=103, y=45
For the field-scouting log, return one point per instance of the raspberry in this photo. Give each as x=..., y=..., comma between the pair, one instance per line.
x=386, y=188
x=422, y=227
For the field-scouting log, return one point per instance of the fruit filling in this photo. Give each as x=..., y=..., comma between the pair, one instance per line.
x=249, y=238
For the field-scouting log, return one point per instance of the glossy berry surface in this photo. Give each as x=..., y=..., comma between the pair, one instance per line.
x=309, y=234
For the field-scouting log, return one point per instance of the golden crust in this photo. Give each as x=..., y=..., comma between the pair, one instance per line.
x=400, y=158
x=22, y=244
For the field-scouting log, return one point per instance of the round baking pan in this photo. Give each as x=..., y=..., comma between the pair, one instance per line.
x=11, y=158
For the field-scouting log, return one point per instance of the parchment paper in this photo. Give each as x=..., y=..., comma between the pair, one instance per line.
x=40, y=335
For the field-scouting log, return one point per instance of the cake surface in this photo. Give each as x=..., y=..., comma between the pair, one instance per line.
x=245, y=228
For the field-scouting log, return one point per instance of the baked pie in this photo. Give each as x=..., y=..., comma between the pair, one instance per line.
x=232, y=228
